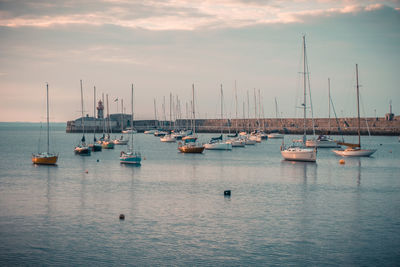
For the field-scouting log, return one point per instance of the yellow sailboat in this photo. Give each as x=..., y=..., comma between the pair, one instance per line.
x=46, y=158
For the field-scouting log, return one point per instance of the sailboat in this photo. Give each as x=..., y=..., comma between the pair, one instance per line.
x=130, y=157
x=276, y=134
x=82, y=149
x=324, y=141
x=190, y=145
x=217, y=143
x=107, y=142
x=95, y=146
x=121, y=140
x=298, y=151
x=354, y=150
x=169, y=137
x=46, y=158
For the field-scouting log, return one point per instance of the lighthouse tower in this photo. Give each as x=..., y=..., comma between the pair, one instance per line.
x=100, y=109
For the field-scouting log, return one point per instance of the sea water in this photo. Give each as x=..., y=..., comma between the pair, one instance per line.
x=279, y=213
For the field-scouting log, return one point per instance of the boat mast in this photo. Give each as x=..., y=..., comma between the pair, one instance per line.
x=104, y=121
x=170, y=111
x=48, y=131
x=329, y=105
x=248, y=111
x=259, y=109
x=358, y=108
x=155, y=113
x=194, y=113
x=94, y=113
x=236, y=106
x=132, y=120
x=222, y=108
x=304, y=77
x=108, y=118
x=255, y=104
x=82, y=120
x=122, y=115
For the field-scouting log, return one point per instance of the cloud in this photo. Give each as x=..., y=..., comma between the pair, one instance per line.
x=172, y=15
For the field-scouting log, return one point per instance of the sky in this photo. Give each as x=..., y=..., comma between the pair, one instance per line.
x=163, y=47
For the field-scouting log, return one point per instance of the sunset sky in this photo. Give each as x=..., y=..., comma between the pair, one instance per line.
x=163, y=47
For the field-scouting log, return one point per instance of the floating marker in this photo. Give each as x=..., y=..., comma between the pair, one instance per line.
x=227, y=192
x=122, y=217
x=98, y=160
x=342, y=161
x=86, y=171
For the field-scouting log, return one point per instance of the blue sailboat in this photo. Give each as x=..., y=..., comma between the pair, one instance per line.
x=131, y=157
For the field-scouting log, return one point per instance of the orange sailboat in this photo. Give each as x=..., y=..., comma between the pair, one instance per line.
x=190, y=145
x=46, y=158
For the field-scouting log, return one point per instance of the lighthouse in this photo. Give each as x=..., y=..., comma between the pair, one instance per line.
x=100, y=109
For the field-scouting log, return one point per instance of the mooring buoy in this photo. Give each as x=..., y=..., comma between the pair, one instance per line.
x=122, y=217
x=342, y=161
x=227, y=192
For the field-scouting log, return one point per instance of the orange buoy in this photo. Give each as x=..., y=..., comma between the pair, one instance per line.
x=342, y=161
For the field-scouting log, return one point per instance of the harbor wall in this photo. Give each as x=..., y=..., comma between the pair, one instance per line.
x=346, y=126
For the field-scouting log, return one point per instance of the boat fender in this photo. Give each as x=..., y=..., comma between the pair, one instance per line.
x=227, y=193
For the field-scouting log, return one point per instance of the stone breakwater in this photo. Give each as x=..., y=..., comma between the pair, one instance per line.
x=346, y=126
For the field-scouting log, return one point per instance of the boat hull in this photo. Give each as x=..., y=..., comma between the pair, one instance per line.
x=121, y=142
x=44, y=160
x=309, y=155
x=249, y=142
x=275, y=136
x=107, y=145
x=191, y=149
x=168, y=139
x=189, y=138
x=95, y=147
x=237, y=142
x=128, y=158
x=322, y=144
x=218, y=146
x=82, y=151
x=354, y=152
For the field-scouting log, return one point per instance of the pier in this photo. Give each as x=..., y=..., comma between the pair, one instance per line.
x=346, y=126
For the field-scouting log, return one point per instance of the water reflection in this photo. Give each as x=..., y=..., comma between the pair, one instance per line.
x=355, y=162
x=297, y=169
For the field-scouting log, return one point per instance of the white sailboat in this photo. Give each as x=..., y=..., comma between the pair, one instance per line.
x=324, y=141
x=46, y=158
x=218, y=143
x=169, y=137
x=121, y=140
x=298, y=151
x=131, y=157
x=275, y=134
x=355, y=150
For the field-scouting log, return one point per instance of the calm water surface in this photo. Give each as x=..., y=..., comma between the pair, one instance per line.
x=280, y=213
